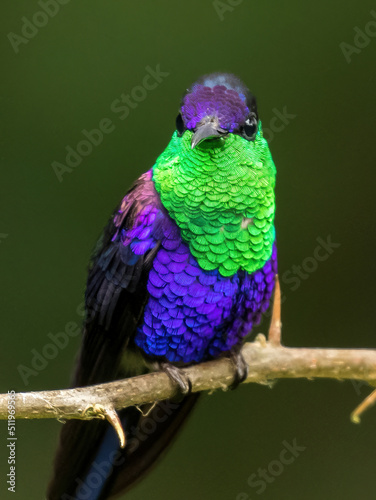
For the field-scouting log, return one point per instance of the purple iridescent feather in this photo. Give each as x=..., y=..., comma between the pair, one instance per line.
x=146, y=294
x=226, y=104
x=191, y=314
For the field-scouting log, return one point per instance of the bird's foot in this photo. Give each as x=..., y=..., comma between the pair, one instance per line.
x=179, y=378
x=241, y=367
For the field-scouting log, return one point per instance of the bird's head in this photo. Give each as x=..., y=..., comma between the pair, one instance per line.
x=215, y=106
x=216, y=177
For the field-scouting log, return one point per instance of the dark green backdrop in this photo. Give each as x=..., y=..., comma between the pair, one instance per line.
x=64, y=80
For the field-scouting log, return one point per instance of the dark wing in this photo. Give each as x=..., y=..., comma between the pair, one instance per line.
x=115, y=298
x=116, y=287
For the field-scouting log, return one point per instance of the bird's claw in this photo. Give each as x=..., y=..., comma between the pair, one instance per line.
x=178, y=377
x=241, y=368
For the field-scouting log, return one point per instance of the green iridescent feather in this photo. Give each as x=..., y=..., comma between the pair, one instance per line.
x=222, y=198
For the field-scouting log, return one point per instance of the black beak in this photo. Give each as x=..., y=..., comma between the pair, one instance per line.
x=208, y=128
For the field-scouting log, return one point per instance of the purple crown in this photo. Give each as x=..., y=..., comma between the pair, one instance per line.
x=225, y=103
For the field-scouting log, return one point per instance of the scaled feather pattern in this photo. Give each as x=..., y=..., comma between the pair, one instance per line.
x=191, y=314
x=182, y=273
x=226, y=104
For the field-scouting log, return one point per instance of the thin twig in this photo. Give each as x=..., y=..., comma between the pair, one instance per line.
x=364, y=405
x=107, y=412
x=274, y=335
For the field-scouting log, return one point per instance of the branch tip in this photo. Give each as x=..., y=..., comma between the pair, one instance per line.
x=261, y=339
x=108, y=413
x=274, y=335
x=146, y=409
x=114, y=420
x=364, y=405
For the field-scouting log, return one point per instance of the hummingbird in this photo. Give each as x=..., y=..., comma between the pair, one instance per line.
x=183, y=271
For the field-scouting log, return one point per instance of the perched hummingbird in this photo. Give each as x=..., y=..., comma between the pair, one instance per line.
x=181, y=274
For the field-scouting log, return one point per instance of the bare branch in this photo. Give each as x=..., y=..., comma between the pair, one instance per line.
x=267, y=362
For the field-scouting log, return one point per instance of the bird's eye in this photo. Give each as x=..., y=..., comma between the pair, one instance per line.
x=250, y=127
x=180, y=127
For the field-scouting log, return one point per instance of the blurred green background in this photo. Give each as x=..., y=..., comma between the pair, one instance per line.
x=64, y=80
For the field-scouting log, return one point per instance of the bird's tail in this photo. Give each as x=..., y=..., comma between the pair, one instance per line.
x=90, y=465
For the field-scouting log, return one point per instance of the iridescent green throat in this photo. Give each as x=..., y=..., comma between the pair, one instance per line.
x=221, y=195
